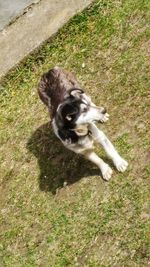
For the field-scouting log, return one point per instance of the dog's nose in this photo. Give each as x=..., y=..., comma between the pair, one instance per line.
x=104, y=110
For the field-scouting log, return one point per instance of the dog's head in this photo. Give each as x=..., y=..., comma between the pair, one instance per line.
x=77, y=109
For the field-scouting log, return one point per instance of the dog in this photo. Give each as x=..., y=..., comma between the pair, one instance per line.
x=73, y=116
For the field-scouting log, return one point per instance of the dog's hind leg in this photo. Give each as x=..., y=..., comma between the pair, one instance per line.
x=105, y=169
x=101, y=138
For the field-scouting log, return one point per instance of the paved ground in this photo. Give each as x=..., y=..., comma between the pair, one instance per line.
x=9, y=9
x=33, y=28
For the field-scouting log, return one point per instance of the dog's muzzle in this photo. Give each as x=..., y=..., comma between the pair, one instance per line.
x=104, y=110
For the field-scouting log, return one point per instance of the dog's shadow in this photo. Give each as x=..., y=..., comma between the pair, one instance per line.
x=58, y=166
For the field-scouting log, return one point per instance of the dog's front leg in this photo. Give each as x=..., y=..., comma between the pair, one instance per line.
x=105, y=169
x=101, y=138
x=86, y=150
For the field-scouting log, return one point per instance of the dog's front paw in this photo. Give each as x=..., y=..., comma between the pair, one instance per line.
x=106, y=172
x=105, y=117
x=121, y=165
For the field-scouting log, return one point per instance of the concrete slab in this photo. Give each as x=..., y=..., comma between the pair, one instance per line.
x=33, y=28
x=10, y=9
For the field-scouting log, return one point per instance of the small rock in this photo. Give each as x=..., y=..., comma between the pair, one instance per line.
x=65, y=184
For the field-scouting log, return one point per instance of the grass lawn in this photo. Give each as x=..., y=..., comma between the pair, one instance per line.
x=87, y=222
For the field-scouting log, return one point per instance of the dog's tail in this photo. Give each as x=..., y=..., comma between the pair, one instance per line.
x=44, y=88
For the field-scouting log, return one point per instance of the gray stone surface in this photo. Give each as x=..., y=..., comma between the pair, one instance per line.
x=10, y=9
x=34, y=27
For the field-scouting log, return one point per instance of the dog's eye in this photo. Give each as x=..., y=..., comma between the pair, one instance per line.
x=85, y=109
x=69, y=118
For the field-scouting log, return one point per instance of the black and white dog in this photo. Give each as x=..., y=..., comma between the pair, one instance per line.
x=73, y=115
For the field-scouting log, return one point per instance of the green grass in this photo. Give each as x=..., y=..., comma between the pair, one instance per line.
x=88, y=222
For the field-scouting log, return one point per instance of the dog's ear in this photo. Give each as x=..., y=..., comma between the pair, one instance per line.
x=82, y=130
x=76, y=92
